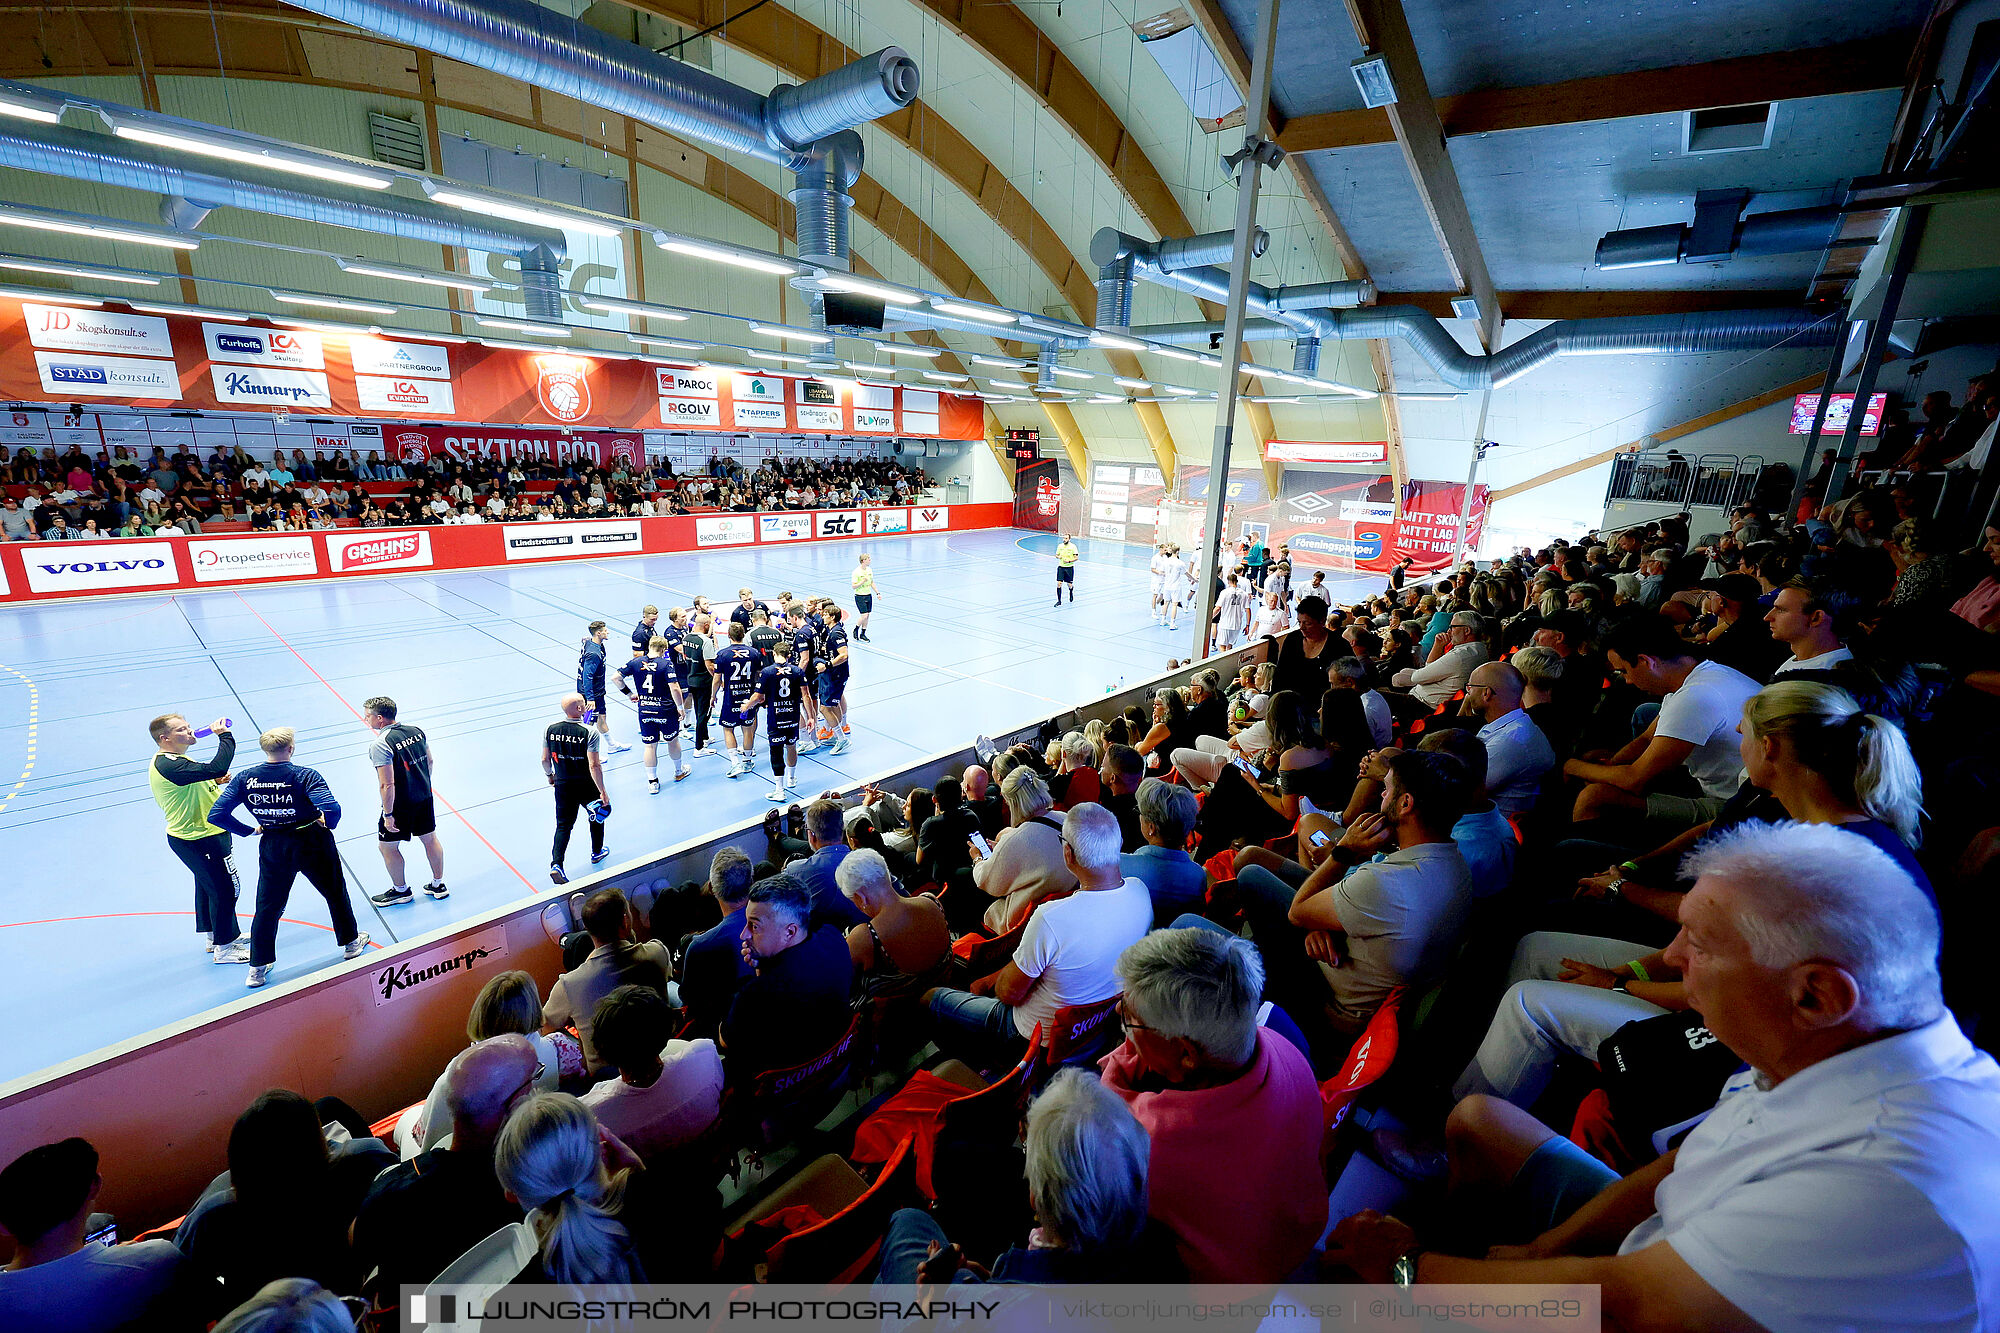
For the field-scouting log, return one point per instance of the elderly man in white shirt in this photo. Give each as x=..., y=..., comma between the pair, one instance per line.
x=1518, y=755
x=1848, y=1179
x=1464, y=647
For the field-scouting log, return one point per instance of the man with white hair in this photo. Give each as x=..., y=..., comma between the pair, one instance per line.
x=1199, y=1073
x=1068, y=953
x=1433, y=683
x=1848, y=1179
x=1167, y=814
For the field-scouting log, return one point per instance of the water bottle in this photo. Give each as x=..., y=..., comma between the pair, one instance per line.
x=589, y=714
x=228, y=724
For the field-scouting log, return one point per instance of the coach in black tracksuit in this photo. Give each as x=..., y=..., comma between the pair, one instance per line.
x=575, y=769
x=295, y=812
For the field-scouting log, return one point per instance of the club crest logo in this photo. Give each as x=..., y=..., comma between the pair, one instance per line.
x=563, y=388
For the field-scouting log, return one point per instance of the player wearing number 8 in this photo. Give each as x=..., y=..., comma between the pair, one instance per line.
x=653, y=683
x=779, y=690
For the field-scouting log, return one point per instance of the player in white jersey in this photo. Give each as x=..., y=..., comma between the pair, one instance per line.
x=1180, y=585
x=1229, y=609
x=1162, y=563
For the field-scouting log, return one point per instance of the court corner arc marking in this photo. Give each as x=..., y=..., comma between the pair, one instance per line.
x=34, y=723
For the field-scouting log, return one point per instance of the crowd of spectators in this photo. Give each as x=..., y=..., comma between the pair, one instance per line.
x=115, y=493
x=1672, y=861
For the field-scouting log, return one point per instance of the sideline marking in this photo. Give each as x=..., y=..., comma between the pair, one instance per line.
x=34, y=720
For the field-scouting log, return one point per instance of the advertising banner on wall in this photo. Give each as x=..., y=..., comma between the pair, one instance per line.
x=1037, y=495
x=539, y=541
x=725, y=529
x=209, y=364
x=888, y=520
x=1346, y=520
x=388, y=550
x=227, y=559
x=930, y=518
x=75, y=567
x=837, y=523
x=784, y=527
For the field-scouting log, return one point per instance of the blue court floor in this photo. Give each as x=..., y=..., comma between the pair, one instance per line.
x=97, y=939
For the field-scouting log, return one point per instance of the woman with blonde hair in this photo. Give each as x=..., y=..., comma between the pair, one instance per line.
x=507, y=1003
x=550, y=1160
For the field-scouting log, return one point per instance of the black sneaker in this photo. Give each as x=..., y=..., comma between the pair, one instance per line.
x=436, y=889
x=392, y=898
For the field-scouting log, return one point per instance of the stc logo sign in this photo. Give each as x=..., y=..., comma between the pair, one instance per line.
x=73, y=567
x=562, y=387
x=838, y=523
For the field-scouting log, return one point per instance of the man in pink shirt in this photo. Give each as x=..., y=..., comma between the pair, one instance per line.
x=1233, y=1109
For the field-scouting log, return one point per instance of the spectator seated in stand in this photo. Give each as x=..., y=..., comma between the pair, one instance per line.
x=796, y=1005
x=289, y=1305
x=903, y=945
x=714, y=966
x=1167, y=815
x=615, y=960
x=1518, y=755
x=63, y=1281
x=1847, y=1179
x=1087, y=1180
x=507, y=1003
x=1232, y=1111
x=826, y=834
x=1066, y=956
x=668, y=1092
x=1458, y=650
x=1119, y=776
x=1027, y=864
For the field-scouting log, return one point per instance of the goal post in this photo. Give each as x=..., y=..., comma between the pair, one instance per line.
x=1181, y=524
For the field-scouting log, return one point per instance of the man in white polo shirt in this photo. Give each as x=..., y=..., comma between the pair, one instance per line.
x=1848, y=1179
x=1694, y=737
x=1811, y=617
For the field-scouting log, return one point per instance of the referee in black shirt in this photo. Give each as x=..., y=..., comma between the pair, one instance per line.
x=575, y=768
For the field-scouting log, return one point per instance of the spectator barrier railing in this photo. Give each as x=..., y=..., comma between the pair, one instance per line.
x=374, y=1032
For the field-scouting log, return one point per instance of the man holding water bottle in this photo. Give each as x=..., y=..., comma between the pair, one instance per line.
x=185, y=790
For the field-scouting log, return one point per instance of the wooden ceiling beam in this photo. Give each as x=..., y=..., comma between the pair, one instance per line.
x=1777, y=76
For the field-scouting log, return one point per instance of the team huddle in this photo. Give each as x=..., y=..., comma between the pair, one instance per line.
x=784, y=662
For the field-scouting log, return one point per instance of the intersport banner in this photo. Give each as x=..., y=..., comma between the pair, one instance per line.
x=50, y=352
x=1346, y=521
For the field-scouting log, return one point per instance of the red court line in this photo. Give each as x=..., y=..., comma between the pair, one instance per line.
x=532, y=886
x=113, y=916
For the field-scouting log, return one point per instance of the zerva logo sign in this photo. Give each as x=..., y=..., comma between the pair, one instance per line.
x=72, y=567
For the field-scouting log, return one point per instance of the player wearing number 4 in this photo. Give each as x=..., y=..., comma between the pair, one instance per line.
x=653, y=684
x=779, y=690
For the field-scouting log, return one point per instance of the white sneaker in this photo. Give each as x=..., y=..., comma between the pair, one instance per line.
x=616, y=748
x=653, y=786
x=356, y=946
x=776, y=793
x=238, y=952
x=737, y=769
x=839, y=745
x=682, y=773
x=258, y=976
x=792, y=781
x=705, y=749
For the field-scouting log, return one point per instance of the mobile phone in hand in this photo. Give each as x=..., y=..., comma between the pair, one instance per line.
x=979, y=840
x=1320, y=838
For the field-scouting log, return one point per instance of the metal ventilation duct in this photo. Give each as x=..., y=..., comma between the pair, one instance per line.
x=191, y=190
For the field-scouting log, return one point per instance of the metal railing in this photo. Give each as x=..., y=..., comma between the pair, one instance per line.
x=1672, y=478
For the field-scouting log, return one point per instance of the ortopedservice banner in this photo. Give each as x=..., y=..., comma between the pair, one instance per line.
x=55, y=352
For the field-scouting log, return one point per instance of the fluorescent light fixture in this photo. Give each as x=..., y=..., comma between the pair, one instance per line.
x=52, y=298
x=780, y=357
x=333, y=303
x=723, y=255
x=425, y=337
x=77, y=271
x=398, y=273
x=1008, y=384
x=1175, y=388
x=103, y=229
x=1430, y=397
x=324, y=326
x=840, y=282
x=521, y=212
x=614, y=305
x=1269, y=398
x=1107, y=398
x=1124, y=383
x=796, y=335
x=1113, y=340
x=1371, y=76
x=1057, y=388
x=1212, y=362
x=191, y=312
x=539, y=328
x=984, y=313
x=674, y=343
x=861, y=368
x=998, y=397
x=945, y=377
x=26, y=107
x=910, y=349
x=1006, y=362
x=1174, y=352
x=1070, y=374
x=1061, y=328
x=273, y=158
x=514, y=346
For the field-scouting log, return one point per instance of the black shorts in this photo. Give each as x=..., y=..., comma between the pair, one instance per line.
x=1065, y=573
x=864, y=602
x=413, y=820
